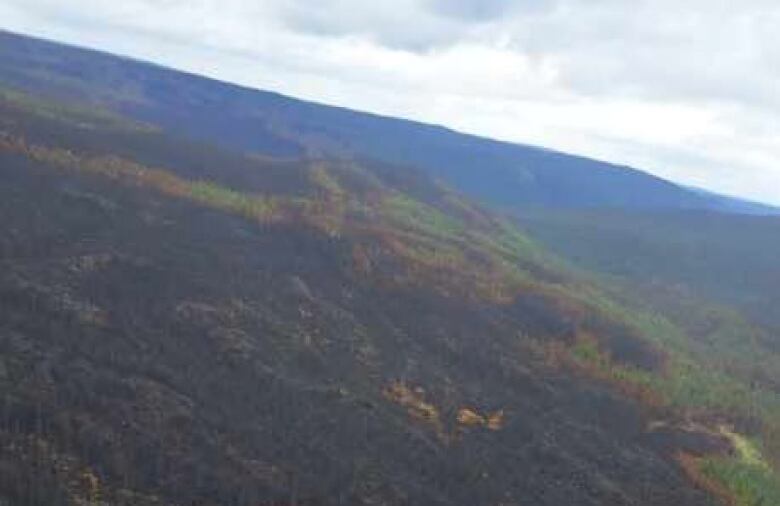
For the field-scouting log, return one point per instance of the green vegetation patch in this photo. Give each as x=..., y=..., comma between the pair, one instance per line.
x=255, y=207
x=746, y=475
x=415, y=215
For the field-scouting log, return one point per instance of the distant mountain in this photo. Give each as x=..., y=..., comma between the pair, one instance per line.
x=730, y=259
x=509, y=176
x=735, y=205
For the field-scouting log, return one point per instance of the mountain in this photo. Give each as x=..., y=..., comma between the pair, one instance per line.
x=728, y=259
x=510, y=176
x=202, y=305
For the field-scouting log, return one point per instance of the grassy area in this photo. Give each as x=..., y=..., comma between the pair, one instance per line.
x=256, y=207
x=410, y=213
x=746, y=475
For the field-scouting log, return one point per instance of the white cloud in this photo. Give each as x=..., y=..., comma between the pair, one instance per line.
x=687, y=90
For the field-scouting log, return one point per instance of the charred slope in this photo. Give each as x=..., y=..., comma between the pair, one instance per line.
x=342, y=334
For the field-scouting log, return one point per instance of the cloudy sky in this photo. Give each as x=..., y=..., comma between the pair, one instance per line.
x=687, y=90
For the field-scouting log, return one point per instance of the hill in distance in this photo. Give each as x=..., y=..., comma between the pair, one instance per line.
x=508, y=176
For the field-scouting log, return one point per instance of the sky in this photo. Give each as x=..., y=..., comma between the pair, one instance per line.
x=686, y=90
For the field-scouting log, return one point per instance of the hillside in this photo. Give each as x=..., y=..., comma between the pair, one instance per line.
x=320, y=335
x=714, y=276
x=729, y=259
x=220, y=312
x=505, y=175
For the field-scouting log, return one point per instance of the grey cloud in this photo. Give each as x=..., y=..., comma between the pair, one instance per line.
x=413, y=25
x=403, y=24
x=687, y=51
x=471, y=11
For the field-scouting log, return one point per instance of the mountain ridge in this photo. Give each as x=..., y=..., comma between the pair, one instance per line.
x=516, y=175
